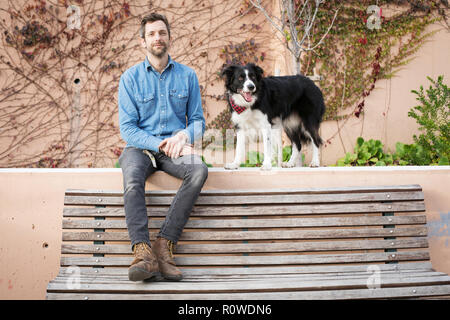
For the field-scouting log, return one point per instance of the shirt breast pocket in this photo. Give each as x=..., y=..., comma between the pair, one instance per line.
x=178, y=99
x=146, y=105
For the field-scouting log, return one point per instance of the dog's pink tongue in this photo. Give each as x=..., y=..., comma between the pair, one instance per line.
x=247, y=96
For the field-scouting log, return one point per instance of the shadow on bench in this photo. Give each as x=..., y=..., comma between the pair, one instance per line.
x=339, y=243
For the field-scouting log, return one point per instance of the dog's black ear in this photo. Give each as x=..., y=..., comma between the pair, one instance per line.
x=228, y=73
x=259, y=72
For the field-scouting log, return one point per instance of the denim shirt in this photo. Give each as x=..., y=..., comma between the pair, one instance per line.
x=154, y=106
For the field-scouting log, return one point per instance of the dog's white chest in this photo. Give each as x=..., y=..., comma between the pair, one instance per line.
x=250, y=120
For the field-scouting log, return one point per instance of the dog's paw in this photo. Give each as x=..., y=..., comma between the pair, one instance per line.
x=231, y=166
x=314, y=164
x=266, y=167
x=287, y=164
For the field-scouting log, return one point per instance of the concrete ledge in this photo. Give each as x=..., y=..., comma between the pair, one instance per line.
x=32, y=202
x=245, y=169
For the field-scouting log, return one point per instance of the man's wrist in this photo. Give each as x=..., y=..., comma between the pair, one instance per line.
x=183, y=137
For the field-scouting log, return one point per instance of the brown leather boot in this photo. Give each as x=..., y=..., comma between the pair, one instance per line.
x=163, y=249
x=144, y=265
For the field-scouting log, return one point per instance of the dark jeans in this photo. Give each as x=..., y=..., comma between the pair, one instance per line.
x=136, y=168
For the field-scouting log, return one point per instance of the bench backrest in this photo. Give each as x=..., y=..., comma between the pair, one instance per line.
x=306, y=228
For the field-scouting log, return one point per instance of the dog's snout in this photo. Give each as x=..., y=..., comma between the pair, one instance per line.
x=251, y=87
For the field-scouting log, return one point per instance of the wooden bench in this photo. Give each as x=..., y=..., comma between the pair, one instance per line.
x=337, y=243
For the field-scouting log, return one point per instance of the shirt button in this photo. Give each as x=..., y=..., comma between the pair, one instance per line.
x=162, y=95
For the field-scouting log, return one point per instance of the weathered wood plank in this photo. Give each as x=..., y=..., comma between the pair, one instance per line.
x=257, y=260
x=356, y=189
x=274, y=284
x=380, y=293
x=123, y=277
x=257, y=199
x=259, y=235
x=274, y=270
x=190, y=276
x=257, y=210
x=211, y=248
x=258, y=223
x=244, y=279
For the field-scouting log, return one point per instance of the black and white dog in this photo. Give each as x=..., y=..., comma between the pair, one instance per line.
x=267, y=105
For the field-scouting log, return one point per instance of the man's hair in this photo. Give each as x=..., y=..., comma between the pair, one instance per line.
x=152, y=17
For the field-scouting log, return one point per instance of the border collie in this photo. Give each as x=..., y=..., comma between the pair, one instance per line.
x=267, y=105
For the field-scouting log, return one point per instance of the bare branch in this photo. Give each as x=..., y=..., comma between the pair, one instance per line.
x=257, y=4
x=326, y=33
x=290, y=16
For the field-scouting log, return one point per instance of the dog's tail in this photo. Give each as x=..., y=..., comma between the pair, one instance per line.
x=310, y=131
x=315, y=97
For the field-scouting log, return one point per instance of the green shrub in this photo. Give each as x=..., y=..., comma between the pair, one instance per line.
x=366, y=153
x=255, y=158
x=432, y=115
x=371, y=153
x=431, y=147
x=411, y=154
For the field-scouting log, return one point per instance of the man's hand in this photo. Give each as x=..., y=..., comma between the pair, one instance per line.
x=187, y=150
x=173, y=146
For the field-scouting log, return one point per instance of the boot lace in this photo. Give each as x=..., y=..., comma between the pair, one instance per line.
x=170, y=246
x=141, y=248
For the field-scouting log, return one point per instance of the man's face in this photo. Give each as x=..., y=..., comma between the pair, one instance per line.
x=157, y=40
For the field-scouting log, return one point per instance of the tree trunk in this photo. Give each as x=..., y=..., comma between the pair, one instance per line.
x=296, y=64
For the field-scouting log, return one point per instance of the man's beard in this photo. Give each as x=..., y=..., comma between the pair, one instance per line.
x=160, y=51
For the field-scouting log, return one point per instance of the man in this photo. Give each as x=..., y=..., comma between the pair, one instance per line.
x=156, y=99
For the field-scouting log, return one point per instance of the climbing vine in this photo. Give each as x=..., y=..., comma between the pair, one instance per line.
x=354, y=57
x=60, y=64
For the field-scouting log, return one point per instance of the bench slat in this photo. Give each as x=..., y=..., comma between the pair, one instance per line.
x=259, y=235
x=257, y=210
x=274, y=284
x=105, y=278
x=256, y=199
x=258, y=247
x=99, y=277
x=258, y=223
x=257, y=260
x=244, y=279
x=262, y=277
x=381, y=293
x=274, y=270
x=391, y=188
